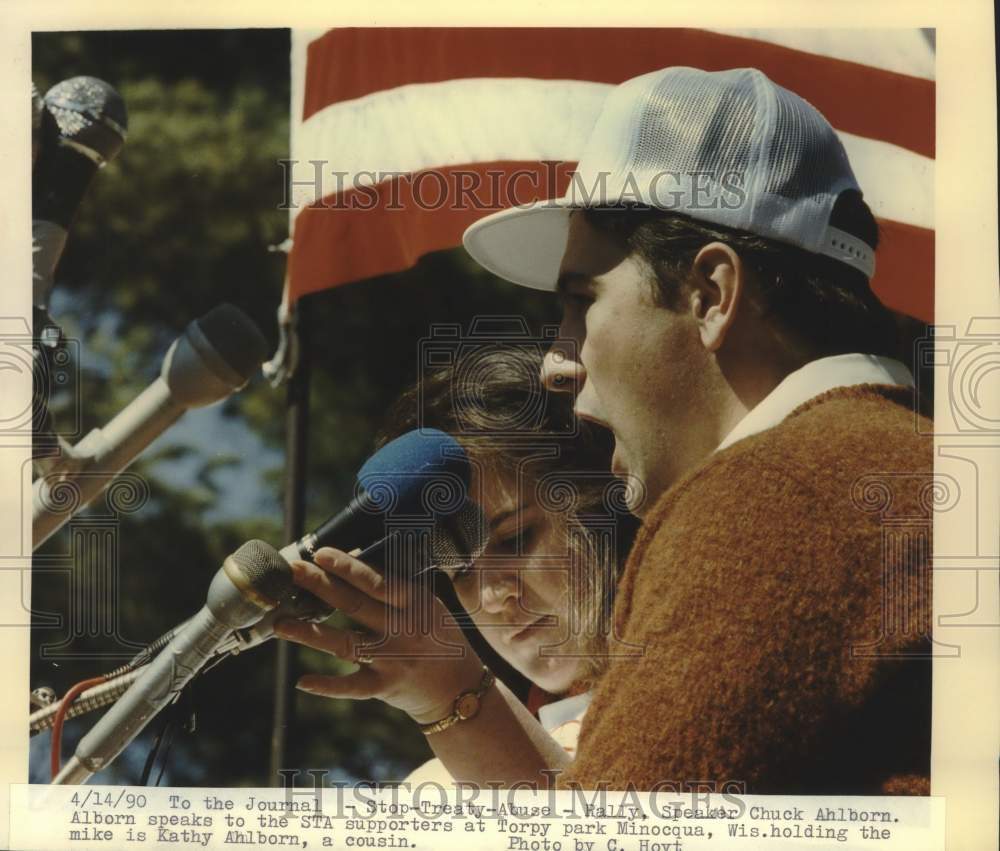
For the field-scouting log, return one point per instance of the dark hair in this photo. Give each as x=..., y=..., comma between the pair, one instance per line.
x=490, y=397
x=824, y=306
x=492, y=400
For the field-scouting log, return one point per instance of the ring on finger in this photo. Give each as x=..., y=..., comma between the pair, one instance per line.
x=361, y=657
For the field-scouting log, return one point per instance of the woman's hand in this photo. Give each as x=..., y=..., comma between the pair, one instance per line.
x=406, y=658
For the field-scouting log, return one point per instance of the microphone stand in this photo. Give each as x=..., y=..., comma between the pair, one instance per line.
x=194, y=374
x=296, y=445
x=156, y=685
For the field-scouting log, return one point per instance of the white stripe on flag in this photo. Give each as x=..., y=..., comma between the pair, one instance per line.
x=455, y=122
x=898, y=184
x=904, y=51
x=301, y=39
x=462, y=122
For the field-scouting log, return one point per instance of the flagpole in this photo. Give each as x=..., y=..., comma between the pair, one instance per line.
x=295, y=335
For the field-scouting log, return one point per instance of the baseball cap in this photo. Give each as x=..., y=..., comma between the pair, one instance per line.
x=729, y=148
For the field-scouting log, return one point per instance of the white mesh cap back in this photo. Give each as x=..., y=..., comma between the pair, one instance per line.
x=727, y=147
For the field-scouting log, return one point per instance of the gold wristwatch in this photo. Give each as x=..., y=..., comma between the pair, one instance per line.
x=466, y=706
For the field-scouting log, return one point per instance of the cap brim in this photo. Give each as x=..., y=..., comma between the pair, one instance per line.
x=523, y=244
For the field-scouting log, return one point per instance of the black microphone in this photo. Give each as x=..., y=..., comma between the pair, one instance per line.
x=82, y=127
x=78, y=127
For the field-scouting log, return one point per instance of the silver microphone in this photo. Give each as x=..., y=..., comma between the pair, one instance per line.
x=251, y=582
x=215, y=356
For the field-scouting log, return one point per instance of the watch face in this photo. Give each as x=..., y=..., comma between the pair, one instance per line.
x=467, y=705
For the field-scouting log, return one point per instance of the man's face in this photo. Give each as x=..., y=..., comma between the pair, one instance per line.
x=637, y=367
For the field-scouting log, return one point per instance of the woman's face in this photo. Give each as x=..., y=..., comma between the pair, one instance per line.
x=518, y=592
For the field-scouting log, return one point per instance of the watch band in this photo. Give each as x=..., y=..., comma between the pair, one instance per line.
x=466, y=706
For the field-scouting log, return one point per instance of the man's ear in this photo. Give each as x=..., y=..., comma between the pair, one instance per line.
x=717, y=281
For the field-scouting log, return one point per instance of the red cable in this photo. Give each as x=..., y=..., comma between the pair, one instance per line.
x=57, y=723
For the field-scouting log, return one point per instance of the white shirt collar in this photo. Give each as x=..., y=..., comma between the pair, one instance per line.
x=557, y=713
x=812, y=380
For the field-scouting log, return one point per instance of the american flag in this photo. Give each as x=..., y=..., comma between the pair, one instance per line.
x=392, y=127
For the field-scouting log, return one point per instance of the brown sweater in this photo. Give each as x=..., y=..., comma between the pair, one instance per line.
x=772, y=658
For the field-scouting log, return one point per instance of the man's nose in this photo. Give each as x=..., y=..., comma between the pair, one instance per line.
x=561, y=370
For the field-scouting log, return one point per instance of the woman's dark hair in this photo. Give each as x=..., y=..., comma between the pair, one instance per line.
x=490, y=398
x=824, y=306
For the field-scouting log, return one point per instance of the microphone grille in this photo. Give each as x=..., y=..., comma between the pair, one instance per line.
x=91, y=113
x=461, y=538
x=235, y=338
x=408, y=463
x=264, y=570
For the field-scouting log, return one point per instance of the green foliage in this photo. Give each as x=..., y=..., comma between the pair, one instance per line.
x=181, y=221
x=364, y=354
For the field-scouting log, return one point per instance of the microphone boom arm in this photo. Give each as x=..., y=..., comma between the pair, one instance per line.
x=214, y=357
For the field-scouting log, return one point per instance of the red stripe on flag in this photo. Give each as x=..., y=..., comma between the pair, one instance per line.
x=345, y=64
x=387, y=228
x=904, y=272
